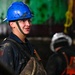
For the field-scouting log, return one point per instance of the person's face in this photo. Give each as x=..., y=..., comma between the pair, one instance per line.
x=25, y=25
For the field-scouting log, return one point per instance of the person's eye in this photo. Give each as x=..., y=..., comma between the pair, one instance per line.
x=29, y=20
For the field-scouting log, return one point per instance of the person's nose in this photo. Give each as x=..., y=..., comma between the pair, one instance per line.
x=28, y=23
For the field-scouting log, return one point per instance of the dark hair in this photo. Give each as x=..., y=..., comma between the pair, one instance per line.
x=61, y=42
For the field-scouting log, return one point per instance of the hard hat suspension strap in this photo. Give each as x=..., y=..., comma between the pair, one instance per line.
x=19, y=28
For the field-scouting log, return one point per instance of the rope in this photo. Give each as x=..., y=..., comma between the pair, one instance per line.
x=69, y=16
x=66, y=62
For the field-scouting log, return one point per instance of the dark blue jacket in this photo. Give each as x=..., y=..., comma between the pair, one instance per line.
x=13, y=56
x=57, y=62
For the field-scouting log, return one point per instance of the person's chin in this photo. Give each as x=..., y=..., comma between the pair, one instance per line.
x=27, y=33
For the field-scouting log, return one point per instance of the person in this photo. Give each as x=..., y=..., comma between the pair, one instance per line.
x=61, y=45
x=19, y=18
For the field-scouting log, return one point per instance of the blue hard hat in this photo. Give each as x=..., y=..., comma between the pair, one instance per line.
x=18, y=10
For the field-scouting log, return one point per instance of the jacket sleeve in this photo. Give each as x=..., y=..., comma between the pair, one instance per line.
x=6, y=55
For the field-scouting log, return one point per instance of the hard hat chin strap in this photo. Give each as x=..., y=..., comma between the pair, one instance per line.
x=19, y=28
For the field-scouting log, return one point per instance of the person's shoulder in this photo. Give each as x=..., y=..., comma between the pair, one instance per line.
x=5, y=44
x=55, y=56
